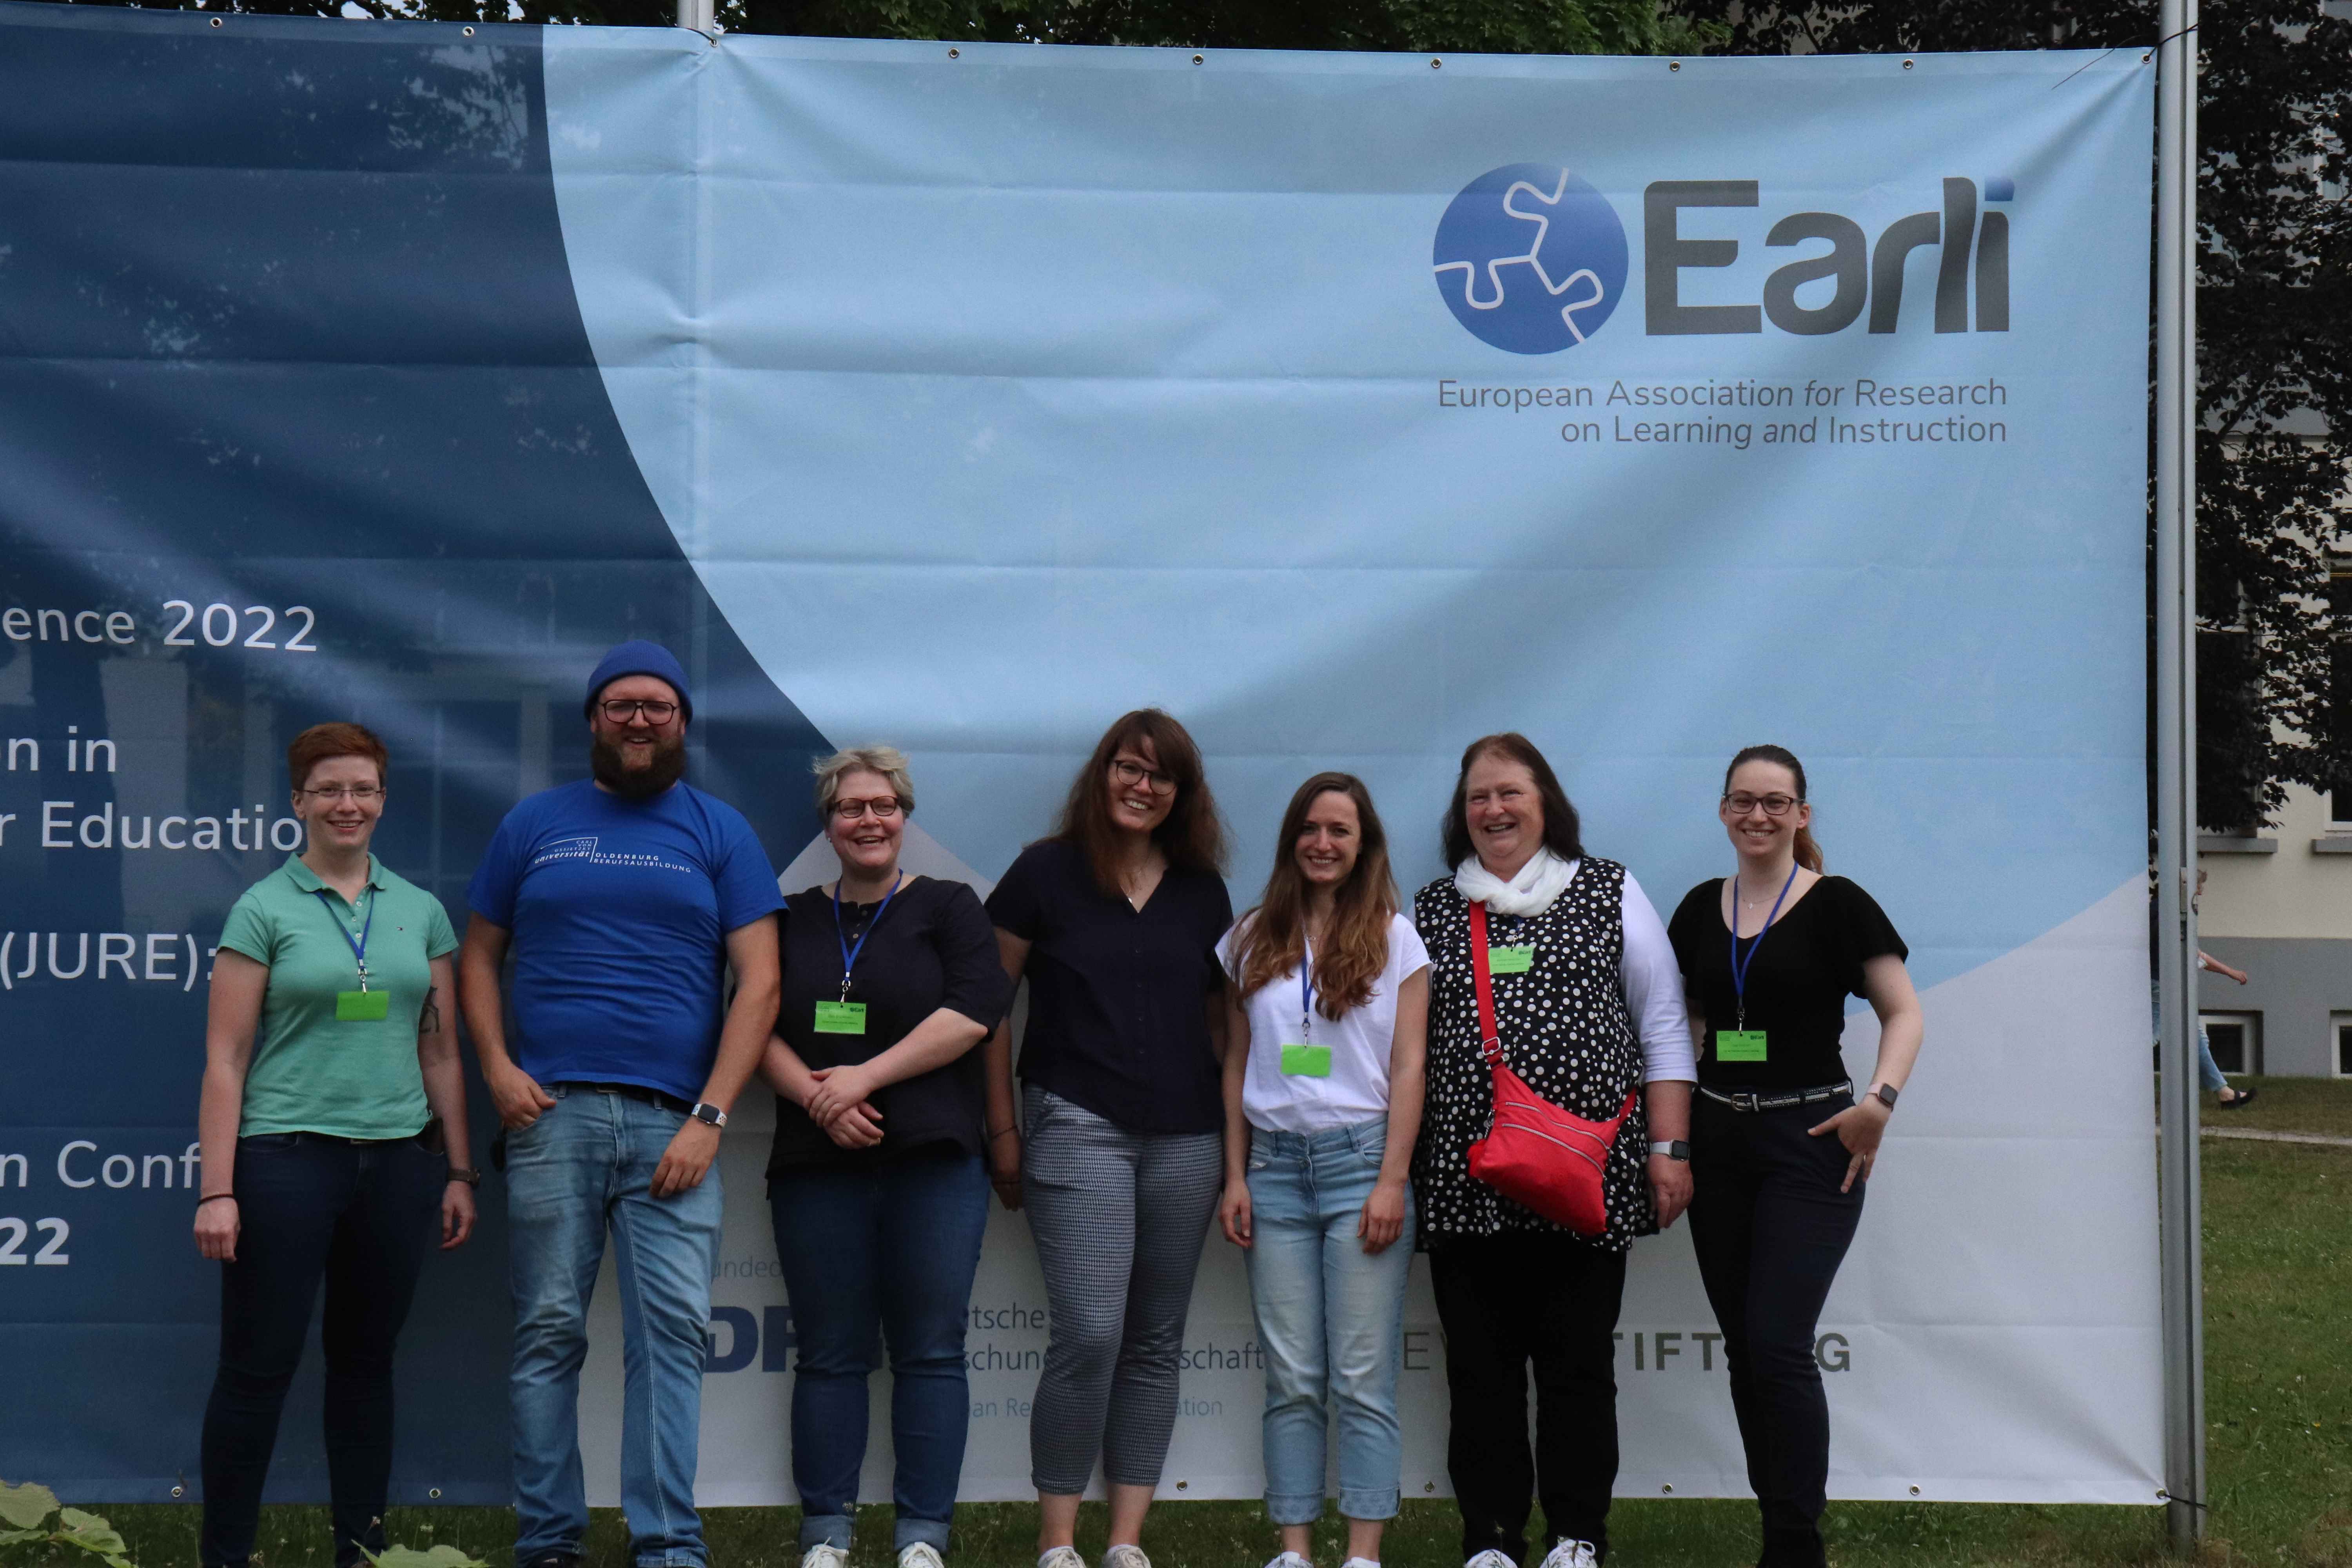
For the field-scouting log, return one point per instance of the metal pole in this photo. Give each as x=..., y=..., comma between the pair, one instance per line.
x=702, y=16
x=2182, y=1272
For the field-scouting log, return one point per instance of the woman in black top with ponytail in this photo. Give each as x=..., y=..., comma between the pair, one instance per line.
x=1781, y=1149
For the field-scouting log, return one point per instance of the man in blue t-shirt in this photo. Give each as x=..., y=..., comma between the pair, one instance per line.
x=624, y=898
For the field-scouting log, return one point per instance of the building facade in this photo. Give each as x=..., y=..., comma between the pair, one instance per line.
x=2278, y=905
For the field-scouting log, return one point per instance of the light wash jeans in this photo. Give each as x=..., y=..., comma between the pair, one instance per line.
x=1330, y=1318
x=2209, y=1072
x=586, y=1164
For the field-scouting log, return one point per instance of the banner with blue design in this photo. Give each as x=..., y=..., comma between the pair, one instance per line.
x=1348, y=406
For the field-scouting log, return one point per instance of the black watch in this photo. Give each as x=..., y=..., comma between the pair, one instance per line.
x=1676, y=1150
x=707, y=1114
x=460, y=1174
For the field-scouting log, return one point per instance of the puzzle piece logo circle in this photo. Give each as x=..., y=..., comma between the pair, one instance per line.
x=1530, y=258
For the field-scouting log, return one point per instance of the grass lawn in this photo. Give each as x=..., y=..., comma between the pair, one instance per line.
x=2278, y=1271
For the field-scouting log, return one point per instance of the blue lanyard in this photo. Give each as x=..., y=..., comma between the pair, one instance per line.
x=1738, y=970
x=848, y=953
x=1306, y=992
x=358, y=942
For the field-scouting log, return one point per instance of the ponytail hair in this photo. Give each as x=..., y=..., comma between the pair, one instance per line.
x=1808, y=853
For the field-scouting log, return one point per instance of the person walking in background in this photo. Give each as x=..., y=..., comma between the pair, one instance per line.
x=329, y=1055
x=1781, y=1149
x=1325, y=1029
x=1589, y=1010
x=2209, y=1071
x=625, y=898
x=1116, y=1153
x=876, y=1182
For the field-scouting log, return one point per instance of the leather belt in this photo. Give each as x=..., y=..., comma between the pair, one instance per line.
x=1747, y=1099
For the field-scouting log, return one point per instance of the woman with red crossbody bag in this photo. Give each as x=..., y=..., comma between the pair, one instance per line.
x=1559, y=1074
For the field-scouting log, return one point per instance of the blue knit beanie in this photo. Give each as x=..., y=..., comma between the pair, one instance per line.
x=639, y=657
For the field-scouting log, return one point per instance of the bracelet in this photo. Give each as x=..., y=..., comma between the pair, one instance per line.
x=213, y=1197
x=1003, y=1132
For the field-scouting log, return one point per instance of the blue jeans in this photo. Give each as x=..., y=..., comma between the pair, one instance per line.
x=2209, y=1072
x=1330, y=1318
x=884, y=1251
x=585, y=1165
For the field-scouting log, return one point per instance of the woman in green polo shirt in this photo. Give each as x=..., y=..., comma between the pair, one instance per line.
x=330, y=1047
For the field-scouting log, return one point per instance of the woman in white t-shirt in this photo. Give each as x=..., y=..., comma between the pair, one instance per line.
x=1327, y=1012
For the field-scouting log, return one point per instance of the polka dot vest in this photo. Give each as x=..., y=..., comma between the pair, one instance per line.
x=1565, y=1030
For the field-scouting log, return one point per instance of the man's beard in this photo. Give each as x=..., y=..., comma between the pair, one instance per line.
x=665, y=768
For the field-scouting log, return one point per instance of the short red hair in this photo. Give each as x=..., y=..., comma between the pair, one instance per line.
x=321, y=742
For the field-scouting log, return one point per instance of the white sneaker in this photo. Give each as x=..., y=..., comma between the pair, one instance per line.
x=1126, y=1557
x=1289, y=1560
x=922, y=1554
x=824, y=1556
x=1568, y=1553
x=1062, y=1557
x=1490, y=1558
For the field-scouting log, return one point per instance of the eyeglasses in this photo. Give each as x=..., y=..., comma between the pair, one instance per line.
x=883, y=810
x=619, y=712
x=1133, y=774
x=1773, y=805
x=362, y=793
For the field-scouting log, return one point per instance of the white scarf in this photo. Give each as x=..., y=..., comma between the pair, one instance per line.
x=1539, y=882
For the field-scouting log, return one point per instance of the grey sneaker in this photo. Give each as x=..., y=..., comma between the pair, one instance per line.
x=1126, y=1557
x=1062, y=1557
x=921, y=1554
x=1491, y=1559
x=1289, y=1560
x=1565, y=1553
x=824, y=1556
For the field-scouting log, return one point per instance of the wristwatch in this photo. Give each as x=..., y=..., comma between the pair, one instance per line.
x=1884, y=1094
x=1676, y=1150
x=707, y=1114
x=460, y=1174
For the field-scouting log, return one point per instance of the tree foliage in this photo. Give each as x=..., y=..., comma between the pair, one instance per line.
x=2275, y=346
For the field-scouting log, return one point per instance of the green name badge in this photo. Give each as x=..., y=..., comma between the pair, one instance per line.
x=1510, y=960
x=841, y=1017
x=1307, y=1061
x=363, y=1006
x=1739, y=1045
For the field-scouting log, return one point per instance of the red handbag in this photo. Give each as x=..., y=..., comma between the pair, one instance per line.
x=1537, y=1154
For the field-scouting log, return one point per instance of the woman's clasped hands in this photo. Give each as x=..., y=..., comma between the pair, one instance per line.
x=842, y=1104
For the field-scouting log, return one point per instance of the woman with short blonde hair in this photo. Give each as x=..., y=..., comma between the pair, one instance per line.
x=876, y=1185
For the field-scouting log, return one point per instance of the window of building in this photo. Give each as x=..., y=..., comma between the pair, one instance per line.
x=2236, y=1039
x=2339, y=1024
x=2339, y=682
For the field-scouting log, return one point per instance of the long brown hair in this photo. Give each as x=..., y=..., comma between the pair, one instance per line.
x=1562, y=832
x=1192, y=837
x=1809, y=854
x=1356, y=948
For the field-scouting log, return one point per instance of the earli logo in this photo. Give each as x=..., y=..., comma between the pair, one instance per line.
x=1532, y=260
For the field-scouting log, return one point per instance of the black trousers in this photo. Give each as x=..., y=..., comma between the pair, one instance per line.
x=1770, y=1229
x=1506, y=1301
x=358, y=1217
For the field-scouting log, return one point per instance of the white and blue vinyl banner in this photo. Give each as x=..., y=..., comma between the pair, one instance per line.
x=1347, y=406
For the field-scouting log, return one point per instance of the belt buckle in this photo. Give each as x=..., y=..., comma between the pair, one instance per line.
x=1747, y=1100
